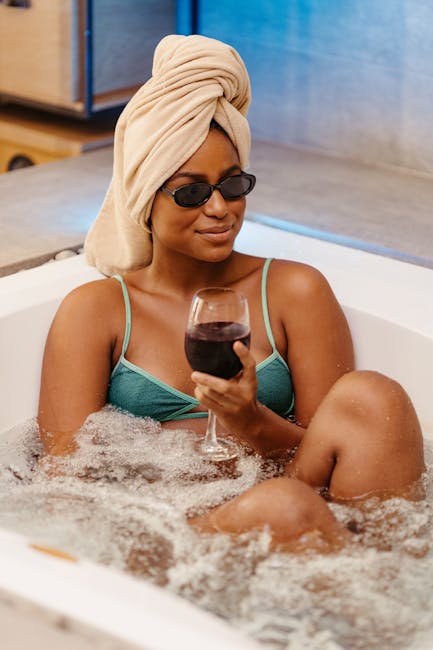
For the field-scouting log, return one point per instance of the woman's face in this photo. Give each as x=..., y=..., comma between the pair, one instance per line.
x=206, y=232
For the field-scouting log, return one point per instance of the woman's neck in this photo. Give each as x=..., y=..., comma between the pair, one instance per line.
x=183, y=275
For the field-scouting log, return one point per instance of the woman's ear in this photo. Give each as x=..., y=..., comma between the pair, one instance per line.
x=148, y=226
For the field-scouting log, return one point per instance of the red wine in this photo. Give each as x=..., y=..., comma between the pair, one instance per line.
x=208, y=347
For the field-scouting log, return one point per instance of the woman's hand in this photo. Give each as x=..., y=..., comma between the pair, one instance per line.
x=234, y=401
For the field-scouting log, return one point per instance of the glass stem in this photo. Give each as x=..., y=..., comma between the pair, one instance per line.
x=210, y=441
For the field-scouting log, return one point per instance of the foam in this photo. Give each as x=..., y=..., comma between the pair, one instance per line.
x=122, y=500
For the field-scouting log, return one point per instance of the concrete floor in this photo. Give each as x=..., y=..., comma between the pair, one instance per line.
x=48, y=208
x=380, y=210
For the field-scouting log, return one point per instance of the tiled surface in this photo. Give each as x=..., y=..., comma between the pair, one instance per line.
x=374, y=206
x=48, y=208
x=352, y=77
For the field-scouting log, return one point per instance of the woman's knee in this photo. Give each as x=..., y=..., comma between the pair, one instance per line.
x=374, y=431
x=377, y=401
x=288, y=508
x=368, y=387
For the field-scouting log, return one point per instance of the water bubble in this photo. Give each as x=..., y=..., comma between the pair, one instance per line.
x=123, y=500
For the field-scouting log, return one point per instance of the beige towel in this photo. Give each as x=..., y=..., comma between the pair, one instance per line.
x=194, y=79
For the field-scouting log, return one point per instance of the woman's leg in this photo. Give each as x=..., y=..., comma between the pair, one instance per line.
x=295, y=515
x=364, y=438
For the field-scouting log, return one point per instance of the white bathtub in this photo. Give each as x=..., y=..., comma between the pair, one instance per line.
x=59, y=604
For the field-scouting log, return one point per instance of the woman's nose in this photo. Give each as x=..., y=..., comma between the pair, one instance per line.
x=216, y=205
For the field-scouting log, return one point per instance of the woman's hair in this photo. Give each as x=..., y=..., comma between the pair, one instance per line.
x=217, y=127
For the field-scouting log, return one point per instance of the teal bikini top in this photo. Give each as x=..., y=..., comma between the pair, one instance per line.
x=134, y=390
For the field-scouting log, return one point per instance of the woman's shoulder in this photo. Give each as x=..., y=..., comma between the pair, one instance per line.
x=298, y=279
x=95, y=297
x=295, y=269
x=279, y=266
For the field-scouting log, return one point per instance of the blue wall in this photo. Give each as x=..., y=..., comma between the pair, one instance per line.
x=352, y=77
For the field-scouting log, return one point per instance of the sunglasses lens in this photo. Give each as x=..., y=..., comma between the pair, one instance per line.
x=192, y=195
x=232, y=188
x=237, y=186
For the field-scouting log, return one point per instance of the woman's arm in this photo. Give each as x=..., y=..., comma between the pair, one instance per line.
x=307, y=317
x=76, y=365
x=319, y=343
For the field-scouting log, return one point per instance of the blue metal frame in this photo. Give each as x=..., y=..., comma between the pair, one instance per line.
x=187, y=17
x=88, y=60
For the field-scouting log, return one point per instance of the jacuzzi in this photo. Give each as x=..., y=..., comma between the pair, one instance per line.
x=54, y=603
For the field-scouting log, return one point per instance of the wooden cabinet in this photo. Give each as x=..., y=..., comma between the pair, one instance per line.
x=79, y=56
x=29, y=137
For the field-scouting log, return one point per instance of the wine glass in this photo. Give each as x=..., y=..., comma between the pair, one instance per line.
x=217, y=318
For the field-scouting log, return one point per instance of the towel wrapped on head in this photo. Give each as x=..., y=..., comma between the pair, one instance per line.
x=194, y=79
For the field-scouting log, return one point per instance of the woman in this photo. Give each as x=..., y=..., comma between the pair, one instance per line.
x=167, y=228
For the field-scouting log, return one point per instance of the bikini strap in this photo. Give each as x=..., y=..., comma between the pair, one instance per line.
x=127, y=313
x=265, y=303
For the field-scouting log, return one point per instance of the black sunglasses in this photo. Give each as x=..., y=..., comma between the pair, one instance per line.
x=195, y=194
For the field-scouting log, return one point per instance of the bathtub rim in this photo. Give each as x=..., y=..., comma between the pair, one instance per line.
x=93, y=590
x=17, y=290
x=359, y=279
x=21, y=288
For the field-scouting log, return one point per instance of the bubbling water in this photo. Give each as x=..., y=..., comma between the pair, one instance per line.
x=122, y=499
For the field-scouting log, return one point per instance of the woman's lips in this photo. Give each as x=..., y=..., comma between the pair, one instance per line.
x=216, y=234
